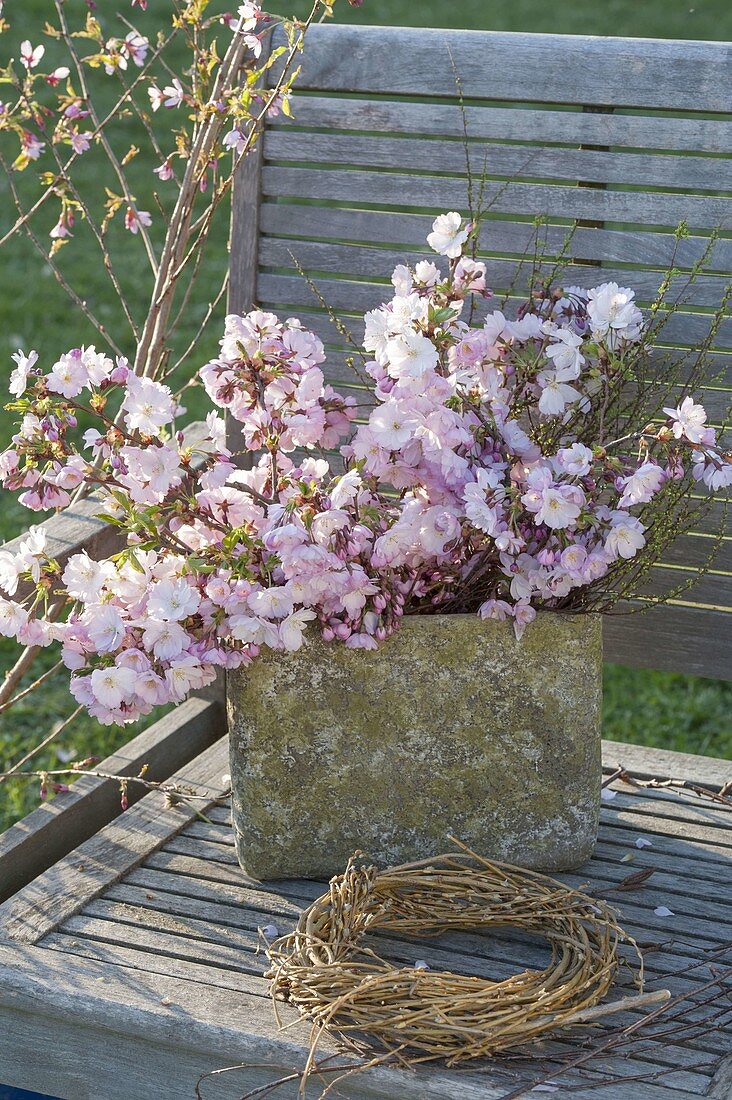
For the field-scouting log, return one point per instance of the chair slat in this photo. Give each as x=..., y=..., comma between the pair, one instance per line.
x=378, y=263
x=346, y=294
x=385, y=227
x=440, y=193
x=661, y=170
x=536, y=68
x=695, y=641
x=572, y=127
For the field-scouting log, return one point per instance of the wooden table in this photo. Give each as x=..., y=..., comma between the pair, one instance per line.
x=133, y=965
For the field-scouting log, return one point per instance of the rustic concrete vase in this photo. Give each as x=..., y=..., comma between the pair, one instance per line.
x=452, y=727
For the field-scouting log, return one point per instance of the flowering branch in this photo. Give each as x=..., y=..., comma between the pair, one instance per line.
x=477, y=484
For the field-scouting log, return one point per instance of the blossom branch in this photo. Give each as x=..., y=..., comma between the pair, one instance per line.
x=58, y=274
x=32, y=687
x=111, y=156
x=56, y=733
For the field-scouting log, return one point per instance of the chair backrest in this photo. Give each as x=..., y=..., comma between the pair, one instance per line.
x=624, y=137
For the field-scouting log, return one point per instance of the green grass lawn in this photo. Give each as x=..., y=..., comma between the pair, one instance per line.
x=672, y=711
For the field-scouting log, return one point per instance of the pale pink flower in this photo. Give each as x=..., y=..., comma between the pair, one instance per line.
x=172, y=600
x=448, y=235
x=136, y=219
x=148, y=405
x=113, y=686
x=156, y=97
x=57, y=75
x=173, y=95
x=642, y=485
x=556, y=394
x=84, y=578
x=292, y=629
x=391, y=425
x=235, y=140
x=575, y=460
x=10, y=570
x=135, y=46
x=270, y=603
x=558, y=509
x=185, y=674
x=32, y=145
x=495, y=609
x=68, y=376
x=24, y=366
x=164, y=171
x=105, y=626
x=12, y=618
x=564, y=352
x=165, y=639
x=613, y=314
x=80, y=141
x=411, y=355
x=625, y=537
x=30, y=57
x=523, y=614
x=689, y=420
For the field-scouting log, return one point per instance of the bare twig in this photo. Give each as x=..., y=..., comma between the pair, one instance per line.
x=13, y=771
x=104, y=141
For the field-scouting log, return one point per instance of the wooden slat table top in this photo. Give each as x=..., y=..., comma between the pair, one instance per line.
x=135, y=964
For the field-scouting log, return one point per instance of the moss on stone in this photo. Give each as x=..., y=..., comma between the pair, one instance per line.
x=451, y=727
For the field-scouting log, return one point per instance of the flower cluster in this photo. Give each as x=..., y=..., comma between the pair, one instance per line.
x=495, y=472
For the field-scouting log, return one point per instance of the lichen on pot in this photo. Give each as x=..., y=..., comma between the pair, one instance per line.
x=451, y=727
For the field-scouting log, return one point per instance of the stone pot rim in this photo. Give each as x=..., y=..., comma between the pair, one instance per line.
x=541, y=613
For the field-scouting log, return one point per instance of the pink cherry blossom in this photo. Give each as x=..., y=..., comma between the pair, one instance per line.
x=31, y=56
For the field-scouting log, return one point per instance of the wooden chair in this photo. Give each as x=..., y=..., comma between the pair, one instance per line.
x=127, y=943
x=606, y=133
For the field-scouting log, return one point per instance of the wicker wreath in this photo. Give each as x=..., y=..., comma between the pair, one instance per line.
x=335, y=979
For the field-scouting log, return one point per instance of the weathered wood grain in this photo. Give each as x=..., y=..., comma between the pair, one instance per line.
x=537, y=68
x=278, y=903
x=244, y=245
x=441, y=192
x=673, y=1058
x=357, y=295
x=437, y=155
x=696, y=641
x=668, y=1061
x=519, y=123
x=105, y=857
x=159, y=1033
x=244, y=233
x=326, y=257
x=409, y=230
x=56, y=827
x=253, y=911
x=649, y=763
x=699, y=919
x=234, y=951
x=721, y=1086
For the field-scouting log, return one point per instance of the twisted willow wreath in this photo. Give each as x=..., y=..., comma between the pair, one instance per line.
x=342, y=985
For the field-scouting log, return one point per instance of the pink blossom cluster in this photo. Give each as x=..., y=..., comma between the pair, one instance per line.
x=488, y=474
x=219, y=561
x=510, y=488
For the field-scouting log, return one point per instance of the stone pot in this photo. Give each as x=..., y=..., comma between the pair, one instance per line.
x=453, y=727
